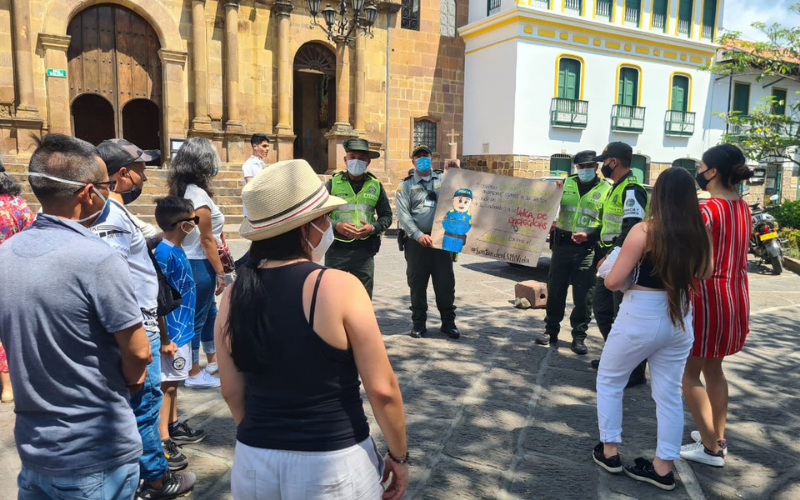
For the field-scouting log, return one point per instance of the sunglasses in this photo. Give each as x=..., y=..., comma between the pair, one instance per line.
x=109, y=184
x=195, y=220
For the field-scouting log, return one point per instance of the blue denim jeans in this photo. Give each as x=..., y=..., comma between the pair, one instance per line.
x=146, y=405
x=119, y=483
x=205, y=312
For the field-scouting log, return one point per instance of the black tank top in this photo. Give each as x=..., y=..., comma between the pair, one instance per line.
x=645, y=275
x=307, y=398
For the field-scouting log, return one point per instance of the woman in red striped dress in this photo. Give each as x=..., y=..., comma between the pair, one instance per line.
x=722, y=308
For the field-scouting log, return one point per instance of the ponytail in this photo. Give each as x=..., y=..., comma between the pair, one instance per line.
x=730, y=162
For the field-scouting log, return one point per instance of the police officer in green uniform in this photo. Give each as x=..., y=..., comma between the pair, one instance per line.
x=572, y=243
x=415, y=204
x=359, y=224
x=625, y=207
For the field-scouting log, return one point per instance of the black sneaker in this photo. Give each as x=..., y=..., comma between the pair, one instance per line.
x=184, y=434
x=644, y=471
x=175, y=484
x=611, y=464
x=176, y=460
x=595, y=364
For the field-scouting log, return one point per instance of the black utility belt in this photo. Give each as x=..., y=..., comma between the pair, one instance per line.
x=367, y=243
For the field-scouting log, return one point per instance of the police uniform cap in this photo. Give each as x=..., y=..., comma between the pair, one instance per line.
x=463, y=192
x=584, y=157
x=618, y=150
x=358, y=145
x=421, y=148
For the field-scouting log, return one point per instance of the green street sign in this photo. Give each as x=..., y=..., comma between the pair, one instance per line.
x=57, y=73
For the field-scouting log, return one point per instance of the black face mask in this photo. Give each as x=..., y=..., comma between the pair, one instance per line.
x=701, y=180
x=606, y=170
x=130, y=196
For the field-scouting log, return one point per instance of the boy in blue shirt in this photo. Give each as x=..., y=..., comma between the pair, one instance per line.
x=176, y=217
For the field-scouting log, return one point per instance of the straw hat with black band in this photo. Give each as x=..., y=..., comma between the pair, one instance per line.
x=282, y=197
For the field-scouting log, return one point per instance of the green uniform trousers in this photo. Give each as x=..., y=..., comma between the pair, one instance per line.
x=356, y=260
x=422, y=264
x=606, y=306
x=570, y=264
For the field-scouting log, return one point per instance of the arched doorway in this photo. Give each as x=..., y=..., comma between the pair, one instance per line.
x=92, y=118
x=314, y=103
x=560, y=165
x=113, y=54
x=640, y=166
x=687, y=164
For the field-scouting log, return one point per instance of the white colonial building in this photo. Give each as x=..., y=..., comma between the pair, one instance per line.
x=545, y=79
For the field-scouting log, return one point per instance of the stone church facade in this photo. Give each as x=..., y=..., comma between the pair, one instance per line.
x=159, y=71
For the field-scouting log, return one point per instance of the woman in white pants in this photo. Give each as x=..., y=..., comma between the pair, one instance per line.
x=659, y=261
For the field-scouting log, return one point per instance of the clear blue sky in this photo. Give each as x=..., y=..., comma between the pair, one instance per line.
x=739, y=14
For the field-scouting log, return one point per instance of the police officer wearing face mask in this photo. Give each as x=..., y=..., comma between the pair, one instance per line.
x=572, y=243
x=359, y=224
x=125, y=163
x=415, y=203
x=625, y=206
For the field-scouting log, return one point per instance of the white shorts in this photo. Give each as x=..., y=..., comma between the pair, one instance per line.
x=176, y=368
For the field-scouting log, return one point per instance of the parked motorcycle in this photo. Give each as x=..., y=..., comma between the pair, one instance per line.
x=764, y=241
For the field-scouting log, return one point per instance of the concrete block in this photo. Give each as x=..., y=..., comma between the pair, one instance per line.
x=534, y=292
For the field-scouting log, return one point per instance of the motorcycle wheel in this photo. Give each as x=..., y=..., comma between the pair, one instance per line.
x=777, y=265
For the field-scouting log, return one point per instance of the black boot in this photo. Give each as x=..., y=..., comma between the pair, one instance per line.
x=578, y=347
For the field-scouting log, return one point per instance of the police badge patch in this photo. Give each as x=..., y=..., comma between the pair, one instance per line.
x=596, y=196
x=372, y=190
x=178, y=363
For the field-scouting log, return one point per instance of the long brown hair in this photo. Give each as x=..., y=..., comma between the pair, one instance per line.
x=677, y=239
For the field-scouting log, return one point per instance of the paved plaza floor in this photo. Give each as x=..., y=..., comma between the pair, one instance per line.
x=494, y=416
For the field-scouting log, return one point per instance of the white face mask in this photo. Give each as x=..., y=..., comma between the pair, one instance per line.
x=318, y=252
x=356, y=167
x=75, y=183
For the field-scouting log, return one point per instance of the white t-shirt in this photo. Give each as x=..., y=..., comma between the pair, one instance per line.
x=251, y=167
x=198, y=197
x=119, y=230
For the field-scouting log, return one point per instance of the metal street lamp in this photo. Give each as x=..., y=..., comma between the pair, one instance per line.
x=345, y=23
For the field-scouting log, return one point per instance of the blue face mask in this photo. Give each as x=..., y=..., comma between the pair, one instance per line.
x=424, y=164
x=586, y=174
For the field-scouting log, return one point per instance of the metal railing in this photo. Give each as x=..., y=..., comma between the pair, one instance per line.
x=632, y=15
x=603, y=9
x=679, y=123
x=708, y=32
x=627, y=118
x=569, y=113
x=659, y=21
x=684, y=26
x=573, y=6
x=544, y=4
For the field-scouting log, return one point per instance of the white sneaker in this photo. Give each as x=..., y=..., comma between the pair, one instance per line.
x=202, y=380
x=723, y=445
x=212, y=368
x=696, y=453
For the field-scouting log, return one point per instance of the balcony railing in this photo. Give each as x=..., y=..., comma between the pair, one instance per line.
x=632, y=16
x=679, y=123
x=573, y=6
x=544, y=4
x=627, y=118
x=684, y=25
x=604, y=9
x=569, y=113
x=659, y=21
x=708, y=32
x=493, y=6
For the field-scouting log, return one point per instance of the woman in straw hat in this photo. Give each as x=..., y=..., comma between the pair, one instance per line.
x=292, y=340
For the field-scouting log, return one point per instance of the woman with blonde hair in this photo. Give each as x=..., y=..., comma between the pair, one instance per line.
x=293, y=339
x=662, y=257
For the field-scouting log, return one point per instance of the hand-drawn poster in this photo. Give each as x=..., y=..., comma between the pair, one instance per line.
x=495, y=216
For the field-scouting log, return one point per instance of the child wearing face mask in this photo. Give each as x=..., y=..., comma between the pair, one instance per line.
x=176, y=217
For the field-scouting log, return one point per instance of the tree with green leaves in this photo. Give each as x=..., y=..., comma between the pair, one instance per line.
x=769, y=132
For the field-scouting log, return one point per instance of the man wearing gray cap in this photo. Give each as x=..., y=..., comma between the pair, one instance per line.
x=572, y=243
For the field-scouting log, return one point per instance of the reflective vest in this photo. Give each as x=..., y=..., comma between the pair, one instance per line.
x=613, y=211
x=360, y=208
x=581, y=214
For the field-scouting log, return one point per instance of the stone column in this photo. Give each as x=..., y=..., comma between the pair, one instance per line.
x=201, y=119
x=232, y=65
x=284, y=134
x=342, y=84
x=23, y=59
x=55, y=56
x=361, y=84
x=173, y=63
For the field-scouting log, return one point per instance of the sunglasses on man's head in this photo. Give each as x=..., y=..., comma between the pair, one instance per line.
x=195, y=219
x=110, y=184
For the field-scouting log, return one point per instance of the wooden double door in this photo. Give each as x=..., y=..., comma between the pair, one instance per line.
x=115, y=76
